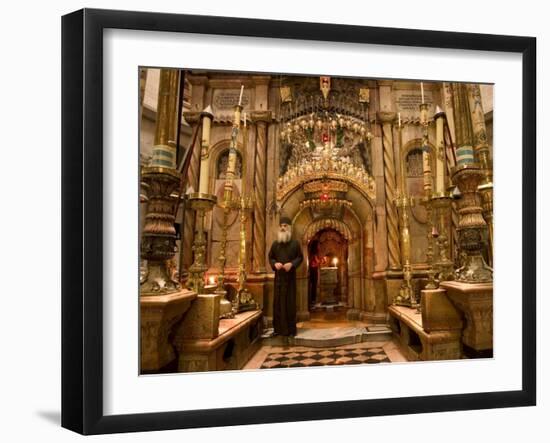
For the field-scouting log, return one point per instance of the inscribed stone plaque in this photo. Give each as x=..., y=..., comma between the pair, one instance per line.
x=408, y=102
x=225, y=100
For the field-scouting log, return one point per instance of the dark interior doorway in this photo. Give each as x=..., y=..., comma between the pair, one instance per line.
x=328, y=248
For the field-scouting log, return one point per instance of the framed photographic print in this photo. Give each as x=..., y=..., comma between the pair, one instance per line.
x=279, y=221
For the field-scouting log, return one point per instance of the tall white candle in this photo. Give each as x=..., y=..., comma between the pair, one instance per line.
x=205, y=146
x=440, y=152
x=422, y=90
x=241, y=95
x=399, y=119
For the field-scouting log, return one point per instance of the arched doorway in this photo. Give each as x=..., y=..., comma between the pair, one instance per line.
x=327, y=269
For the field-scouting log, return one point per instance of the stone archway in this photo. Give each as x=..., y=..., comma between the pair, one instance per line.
x=356, y=224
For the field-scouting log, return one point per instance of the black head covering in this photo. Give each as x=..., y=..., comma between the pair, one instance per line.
x=285, y=220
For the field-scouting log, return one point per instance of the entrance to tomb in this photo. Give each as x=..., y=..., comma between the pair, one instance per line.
x=327, y=270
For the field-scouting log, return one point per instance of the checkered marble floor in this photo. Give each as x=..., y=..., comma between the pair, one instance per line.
x=324, y=357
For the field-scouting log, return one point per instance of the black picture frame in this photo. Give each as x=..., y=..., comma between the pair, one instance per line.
x=82, y=218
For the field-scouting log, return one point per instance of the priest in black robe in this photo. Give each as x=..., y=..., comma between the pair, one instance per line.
x=285, y=256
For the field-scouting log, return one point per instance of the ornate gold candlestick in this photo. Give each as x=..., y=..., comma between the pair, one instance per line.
x=226, y=307
x=430, y=231
x=442, y=207
x=243, y=301
x=427, y=201
x=201, y=203
x=228, y=193
x=405, y=296
x=471, y=227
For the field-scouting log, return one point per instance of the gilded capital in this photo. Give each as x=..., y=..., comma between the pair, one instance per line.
x=386, y=117
x=260, y=116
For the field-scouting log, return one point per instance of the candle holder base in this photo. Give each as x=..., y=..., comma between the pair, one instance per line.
x=201, y=203
x=244, y=302
x=474, y=270
x=405, y=297
x=472, y=226
x=157, y=280
x=158, y=244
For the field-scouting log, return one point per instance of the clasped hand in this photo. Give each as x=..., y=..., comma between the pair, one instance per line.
x=287, y=266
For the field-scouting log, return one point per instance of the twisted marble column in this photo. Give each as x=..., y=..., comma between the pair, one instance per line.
x=390, y=188
x=260, y=118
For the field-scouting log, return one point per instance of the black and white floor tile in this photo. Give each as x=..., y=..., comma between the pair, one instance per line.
x=324, y=357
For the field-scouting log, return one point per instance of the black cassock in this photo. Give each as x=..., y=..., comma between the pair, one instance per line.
x=284, y=298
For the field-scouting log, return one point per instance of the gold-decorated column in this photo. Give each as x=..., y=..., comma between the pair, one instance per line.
x=261, y=119
x=158, y=244
x=463, y=125
x=468, y=175
x=481, y=150
x=164, y=149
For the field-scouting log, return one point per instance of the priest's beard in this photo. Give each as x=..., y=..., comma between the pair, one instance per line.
x=283, y=236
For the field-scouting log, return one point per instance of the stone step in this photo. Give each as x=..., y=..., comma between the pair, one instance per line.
x=327, y=337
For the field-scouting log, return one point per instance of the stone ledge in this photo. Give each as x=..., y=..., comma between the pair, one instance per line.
x=475, y=301
x=227, y=329
x=238, y=340
x=159, y=314
x=421, y=345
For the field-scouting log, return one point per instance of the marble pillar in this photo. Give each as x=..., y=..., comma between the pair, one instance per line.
x=261, y=119
x=390, y=188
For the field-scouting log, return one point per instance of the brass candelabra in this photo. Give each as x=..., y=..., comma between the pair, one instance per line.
x=442, y=208
x=243, y=300
x=405, y=297
x=427, y=200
